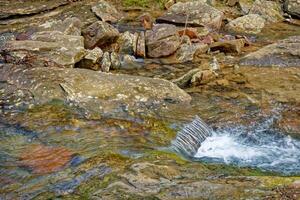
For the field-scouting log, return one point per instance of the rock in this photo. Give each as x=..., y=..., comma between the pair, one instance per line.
x=203, y=77
x=97, y=93
x=185, y=80
x=269, y=10
x=48, y=48
x=192, y=33
x=44, y=160
x=68, y=26
x=169, y=3
x=245, y=6
x=99, y=34
x=194, y=13
x=146, y=21
x=290, y=122
x=129, y=62
x=228, y=46
x=162, y=41
x=284, y=53
x=127, y=43
x=106, y=62
x=214, y=65
x=19, y=8
x=292, y=7
x=186, y=52
x=248, y=24
x=106, y=12
x=231, y=2
x=92, y=59
x=141, y=45
x=115, y=60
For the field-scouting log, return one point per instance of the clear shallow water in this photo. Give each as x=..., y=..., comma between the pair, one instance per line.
x=254, y=146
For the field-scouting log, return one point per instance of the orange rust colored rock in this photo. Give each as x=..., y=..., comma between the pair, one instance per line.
x=190, y=32
x=43, y=160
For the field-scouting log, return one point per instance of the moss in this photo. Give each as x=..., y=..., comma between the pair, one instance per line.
x=163, y=156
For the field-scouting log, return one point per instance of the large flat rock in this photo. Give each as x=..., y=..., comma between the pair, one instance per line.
x=284, y=53
x=95, y=92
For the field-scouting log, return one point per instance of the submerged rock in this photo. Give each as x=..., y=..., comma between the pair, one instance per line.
x=248, y=24
x=284, y=53
x=96, y=92
x=163, y=40
x=106, y=12
x=99, y=34
x=48, y=48
x=292, y=7
x=43, y=160
x=270, y=10
x=196, y=13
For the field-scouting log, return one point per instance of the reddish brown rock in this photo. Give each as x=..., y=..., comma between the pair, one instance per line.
x=141, y=46
x=190, y=32
x=43, y=159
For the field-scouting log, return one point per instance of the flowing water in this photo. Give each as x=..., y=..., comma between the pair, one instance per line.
x=257, y=145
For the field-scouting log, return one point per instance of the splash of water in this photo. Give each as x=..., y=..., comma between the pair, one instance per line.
x=257, y=146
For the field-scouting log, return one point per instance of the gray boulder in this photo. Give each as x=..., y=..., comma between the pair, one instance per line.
x=292, y=7
x=106, y=12
x=196, y=13
x=92, y=60
x=270, y=10
x=285, y=53
x=248, y=24
x=48, y=48
x=163, y=40
x=99, y=34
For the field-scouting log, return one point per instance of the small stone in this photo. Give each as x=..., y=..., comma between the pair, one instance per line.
x=106, y=62
x=141, y=45
x=115, y=60
x=146, y=21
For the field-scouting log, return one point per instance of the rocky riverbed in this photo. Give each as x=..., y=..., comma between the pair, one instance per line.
x=92, y=93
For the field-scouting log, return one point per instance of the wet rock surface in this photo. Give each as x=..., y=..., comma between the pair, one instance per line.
x=284, y=53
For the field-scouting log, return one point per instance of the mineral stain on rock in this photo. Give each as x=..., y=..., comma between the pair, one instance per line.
x=42, y=159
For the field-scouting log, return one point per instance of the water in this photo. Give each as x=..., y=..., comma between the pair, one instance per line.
x=254, y=146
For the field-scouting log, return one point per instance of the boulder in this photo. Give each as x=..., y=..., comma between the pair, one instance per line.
x=114, y=95
x=228, y=46
x=163, y=40
x=195, y=13
x=106, y=12
x=270, y=10
x=292, y=7
x=99, y=34
x=92, y=60
x=248, y=24
x=284, y=53
x=141, y=45
x=48, y=48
